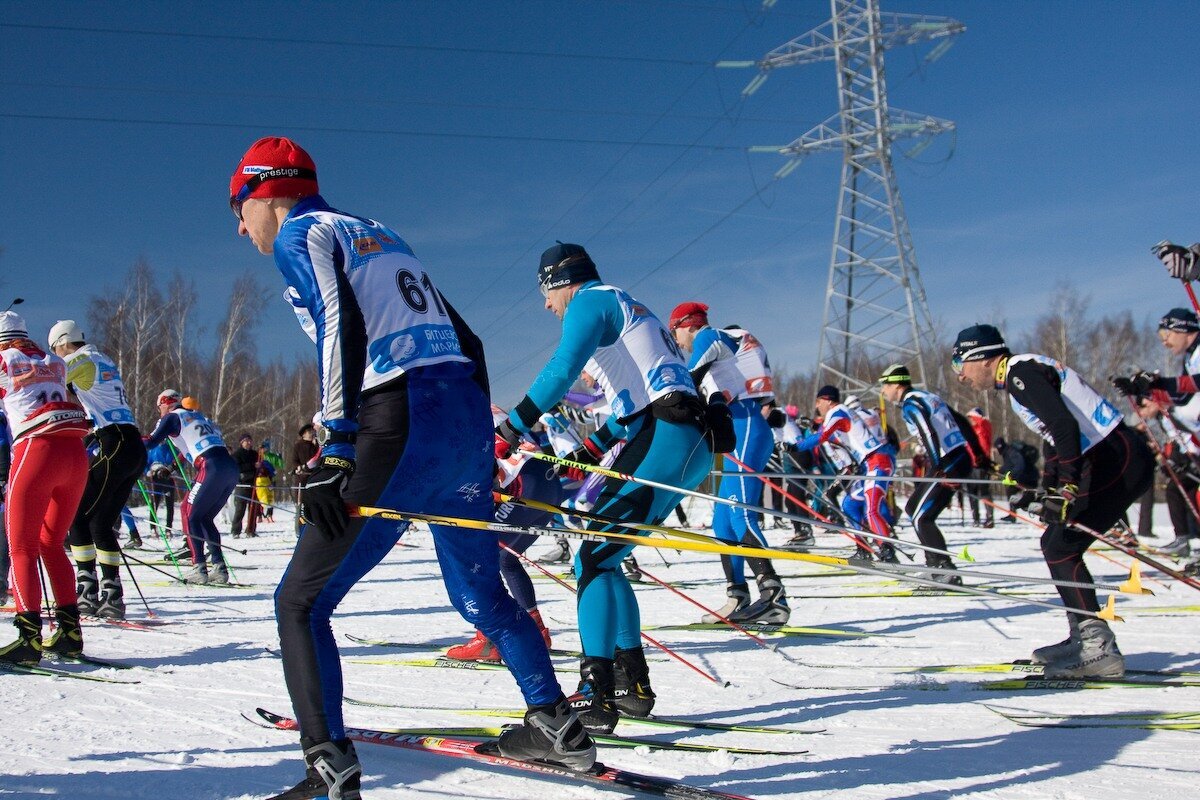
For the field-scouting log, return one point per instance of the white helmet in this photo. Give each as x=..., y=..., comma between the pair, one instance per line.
x=12, y=326
x=65, y=331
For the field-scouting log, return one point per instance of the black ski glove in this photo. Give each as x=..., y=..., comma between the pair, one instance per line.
x=1059, y=507
x=321, y=503
x=1181, y=262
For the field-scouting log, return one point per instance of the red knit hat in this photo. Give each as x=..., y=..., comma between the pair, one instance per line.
x=688, y=315
x=273, y=167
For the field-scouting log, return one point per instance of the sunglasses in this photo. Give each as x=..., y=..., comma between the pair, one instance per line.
x=243, y=194
x=956, y=364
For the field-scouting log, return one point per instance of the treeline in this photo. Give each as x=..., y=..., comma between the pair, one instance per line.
x=150, y=328
x=1095, y=345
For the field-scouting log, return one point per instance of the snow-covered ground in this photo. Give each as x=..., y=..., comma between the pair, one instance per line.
x=179, y=733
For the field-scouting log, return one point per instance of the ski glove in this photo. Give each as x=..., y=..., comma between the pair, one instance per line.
x=321, y=503
x=1022, y=499
x=586, y=453
x=1181, y=262
x=1059, y=507
x=776, y=418
x=507, y=437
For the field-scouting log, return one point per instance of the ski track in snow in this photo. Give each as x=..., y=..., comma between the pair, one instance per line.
x=900, y=736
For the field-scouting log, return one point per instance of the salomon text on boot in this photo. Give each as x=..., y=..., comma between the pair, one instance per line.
x=632, y=693
x=593, y=701
x=1098, y=657
x=551, y=733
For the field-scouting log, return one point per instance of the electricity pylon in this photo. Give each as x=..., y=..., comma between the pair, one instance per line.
x=874, y=302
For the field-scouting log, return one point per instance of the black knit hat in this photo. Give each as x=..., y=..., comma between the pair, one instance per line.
x=564, y=265
x=1180, y=320
x=979, y=342
x=829, y=393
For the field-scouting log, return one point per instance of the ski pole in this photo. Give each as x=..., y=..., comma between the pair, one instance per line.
x=237, y=550
x=160, y=529
x=133, y=578
x=699, y=537
x=894, y=571
x=757, y=639
x=137, y=560
x=648, y=638
x=846, y=478
x=726, y=501
x=1191, y=293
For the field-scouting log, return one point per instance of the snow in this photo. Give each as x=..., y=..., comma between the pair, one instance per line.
x=179, y=733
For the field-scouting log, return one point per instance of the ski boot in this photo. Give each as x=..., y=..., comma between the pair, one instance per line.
x=561, y=553
x=941, y=562
x=197, y=575
x=87, y=591
x=630, y=567
x=27, y=649
x=770, y=608
x=536, y=616
x=803, y=537
x=593, y=700
x=887, y=554
x=67, y=640
x=112, y=599
x=219, y=573
x=550, y=733
x=1179, y=546
x=862, y=554
x=739, y=598
x=1098, y=656
x=333, y=773
x=632, y=693
x=135, y=540
x=480, y=648
x=1066, y=648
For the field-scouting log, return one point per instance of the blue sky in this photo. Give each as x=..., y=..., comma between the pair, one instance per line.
x=1075, y=151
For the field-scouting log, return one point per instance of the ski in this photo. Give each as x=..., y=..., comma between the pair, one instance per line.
x=54, y=672
x=920, y=592
x=1027, y=666
x=84, y=658
x=599, y=774
x=129, y=624
x=441, y=662
x=780, y=630
x=554, y=651
x=1151, y=716
x=1168, y=722
x=1039, y=683
x=651, y=721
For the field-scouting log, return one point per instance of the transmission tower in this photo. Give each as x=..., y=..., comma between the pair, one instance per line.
x=875, y=305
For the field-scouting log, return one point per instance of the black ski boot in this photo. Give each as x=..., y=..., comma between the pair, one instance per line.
x=593, y=701
x=803, y=537
x=87, y=591
x=333, y=773
x=67, y=640
x=630, y=566
x=112, y=599
x=771, y=607
x=551, y=733
x=941, y=562
x=887, y=554
x=632, y=693
x=27, y=649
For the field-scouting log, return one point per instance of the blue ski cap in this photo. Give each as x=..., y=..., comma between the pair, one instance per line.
x=978, y=343
x=563, y=265
x=1180, y=320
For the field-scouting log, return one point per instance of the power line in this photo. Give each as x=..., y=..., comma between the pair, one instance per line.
x=369, y=131
x=376, y=100
x=358, y=44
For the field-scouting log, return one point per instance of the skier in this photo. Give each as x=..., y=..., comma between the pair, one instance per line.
x=405, y=424
x=113, y=469
x=1179, y=332
x=735, y=364
x=1095, y=467
x=1179, y=463
x=195, y=435
x=931, y=421
x=657, y=411
x=161, y=484
x=43, y=489
x=862, y=438
x=523, y=477
x=5, y=463
x=983, y=470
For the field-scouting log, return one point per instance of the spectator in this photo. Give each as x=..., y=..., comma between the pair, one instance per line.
x=246, y=458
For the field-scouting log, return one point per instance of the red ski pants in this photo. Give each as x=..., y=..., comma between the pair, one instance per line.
x=45, y=485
